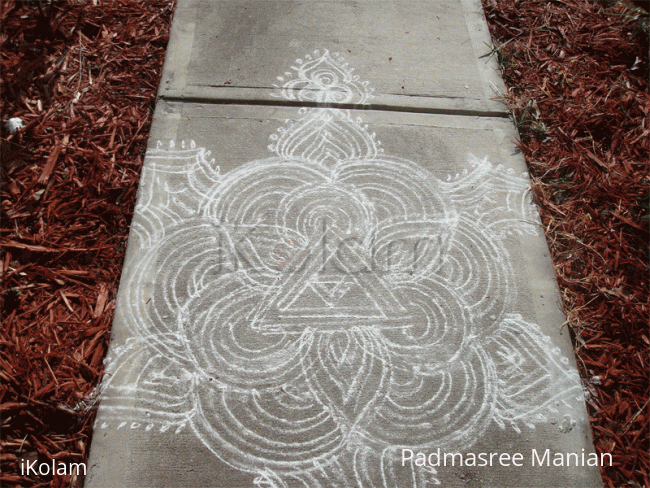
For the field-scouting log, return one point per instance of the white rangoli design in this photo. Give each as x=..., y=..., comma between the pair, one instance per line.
x=309, y=314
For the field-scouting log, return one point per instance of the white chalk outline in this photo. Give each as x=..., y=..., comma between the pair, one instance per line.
x=308, y=315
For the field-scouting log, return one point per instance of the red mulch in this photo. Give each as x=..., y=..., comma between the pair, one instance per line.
x=83, y=78
x=577, y=78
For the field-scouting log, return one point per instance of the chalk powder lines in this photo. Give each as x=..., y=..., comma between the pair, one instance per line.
x=309, y=314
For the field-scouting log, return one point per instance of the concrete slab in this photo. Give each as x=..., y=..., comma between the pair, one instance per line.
x=329, y=292
x=420, y=55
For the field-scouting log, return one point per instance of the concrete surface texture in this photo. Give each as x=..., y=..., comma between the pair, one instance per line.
x=332, y=281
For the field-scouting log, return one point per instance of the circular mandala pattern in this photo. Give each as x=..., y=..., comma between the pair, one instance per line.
x=287, y=358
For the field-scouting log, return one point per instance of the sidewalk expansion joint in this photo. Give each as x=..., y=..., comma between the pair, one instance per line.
x=378, y=107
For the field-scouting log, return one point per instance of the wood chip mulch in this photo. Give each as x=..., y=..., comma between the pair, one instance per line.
x=577, y=78
x=82, y=76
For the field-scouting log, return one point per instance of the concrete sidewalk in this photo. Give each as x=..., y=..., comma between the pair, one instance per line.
x=335, y=276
